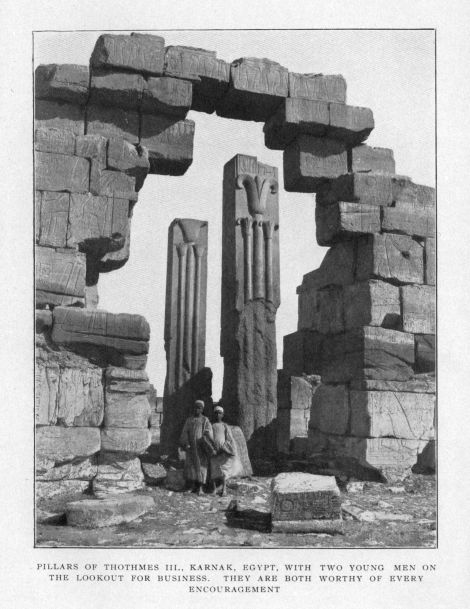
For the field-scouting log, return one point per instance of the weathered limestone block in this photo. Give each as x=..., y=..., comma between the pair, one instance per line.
x=120, y=89
x=132, y=160
x=330, y=319
x=372, y=303
x=337, y=268
x=137, y=52
x=405, y=191
x=113, y=184
x=54, y=488
x=309, y=161
x=302, y=352
x=126, y=410
x=117, y=474
x=60, y=444
x=392, y=457
x=56, y=140
x=300, y=496
x=78, y=469
x=409, y=219
x=92, y=147
x=61, y=172
x=430, y=261
x=326, y=87
x=124, y=332
x=398, y=258
x=128, y=441
x=53, y=219
x=342, y=220
x=369, y=352
x=350, y=124
x=320, y=527
x=392, y=414
x=370, y=159
x=64, y=82
x=293, y=118
x=94, y=513
x=169, y=143
x=113, y=122
x=58, y=115
x=425, y=352
x=418, y=308
x=60, y=277
x=163, y=95
x=330, y=409
x=242, y=451
x=257, y=87
x=45, y=393
x=210, y=76
x=365, y=188
x=423, y=383
x=127, y=381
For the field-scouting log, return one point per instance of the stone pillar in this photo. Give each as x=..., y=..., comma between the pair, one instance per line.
x=250, y=298
x=185, y=326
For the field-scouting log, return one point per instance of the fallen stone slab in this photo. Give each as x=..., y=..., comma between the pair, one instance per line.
x=419, y=308
x=425, y=353
x=301, y=496
x=129, y=441
x=113, y=122
x=372, y=303
x=370, y=159
x=60, y=276
x=52, y=219
x=369, y=352
x=326, y=87
x=311, y=161
x=94, y=513
x=350, y=124
x=343, y=220
x=330, y=411
x=60, y=444
x=59, y=115
x=61, y=172
x=293, y=118
x=302, y=352
x=169, y=143
x=331, y=526
x=138, y=53
x=54, y=140
x=64, y=82
x=256, y=89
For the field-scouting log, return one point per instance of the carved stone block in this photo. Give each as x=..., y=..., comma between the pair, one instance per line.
x=392, y=414
x=419, y=308
x=330, y=409
x=342, y=220
x=60, y=277
x=169, y=143
x=60, y=444
x=293, y=118
x=372, y=303
x=309, y=161
x=64, y=82
x=137, y=52
x=369, y=352
x=126, y=410
x=57, y=115
x=367, y=158
x=350, y=124
x=114, y=184
x=299, y=496
x=257, y=87
x=164, y=95
x=128, y=441
x=392, y=257
x=112, y=121
x=302, y=352
x=60, y=172
x=121, y=89
x=54, y=140
x=425, y=353
x=53, y=219
x=326, y=87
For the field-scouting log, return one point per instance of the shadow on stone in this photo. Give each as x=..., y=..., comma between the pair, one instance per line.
x=247, y=518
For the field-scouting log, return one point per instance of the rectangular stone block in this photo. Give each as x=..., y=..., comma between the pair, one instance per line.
x=257, y=87
x=342, y=220
x=60, y=172
x=60, y=444
x=169, y=143
x=369, y=352
x=125, y=441
x=310, y=161
x=308, y=309
x=114, y=184
x=326, y=87
x=393, y=257
x=425, y=353
x=123, y=156
x=293, y=118
x=430, y=261
x=337, y=268
x=364, y=188
x=93, y=217
x=330, y=310
x=92, y=147
x=319, y=527
x=330, y=409
x=390, y=414
x=299, y=496
x=127, y=381
x=409, y=219
x=163, y=95
x=113, y=122
x=137, y=52
x=302, y=353
x=58, y=115
x=53, y=219
x=59, y=276
x=64, y=82
x=126, y=410
x=80, y=400
x=404, y=191
x=370, y=159
x=54, y=140
x=420, y=383
x=117, y=474
x=121, y=89
x=372, y=303
x=295, y=392
x=124, y=332
x=419, y=308
x=350, y=124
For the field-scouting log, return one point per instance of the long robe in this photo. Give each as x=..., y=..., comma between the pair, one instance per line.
x=223, y=464
x=196, y=464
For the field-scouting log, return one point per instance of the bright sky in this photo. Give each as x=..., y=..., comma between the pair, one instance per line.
x=391, y=72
